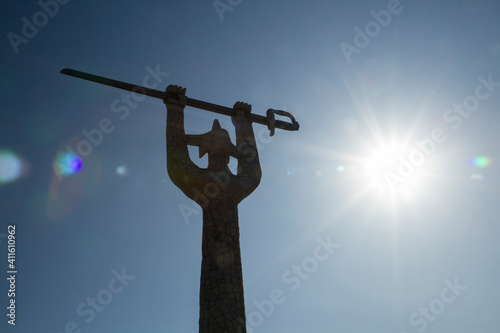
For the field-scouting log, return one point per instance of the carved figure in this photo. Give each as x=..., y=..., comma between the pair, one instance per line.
x=218, y=191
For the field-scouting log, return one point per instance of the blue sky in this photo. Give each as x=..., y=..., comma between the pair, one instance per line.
x=396, y=163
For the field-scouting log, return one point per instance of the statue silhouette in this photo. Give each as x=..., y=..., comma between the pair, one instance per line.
x=218, y=191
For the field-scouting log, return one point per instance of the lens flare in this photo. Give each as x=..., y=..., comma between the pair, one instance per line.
x=477, y=176
x=10, y=167
x=481, y=161
x=67, y=164
x=122, y=170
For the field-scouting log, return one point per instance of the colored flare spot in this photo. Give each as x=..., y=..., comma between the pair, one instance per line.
x=481, y=162
x=122, y=170
x=10, y=167
x=68, y=164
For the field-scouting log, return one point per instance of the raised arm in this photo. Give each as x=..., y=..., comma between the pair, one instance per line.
x=249, y=171
x=184, y=173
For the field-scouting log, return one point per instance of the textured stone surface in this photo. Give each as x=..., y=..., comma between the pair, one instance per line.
x=218, y=192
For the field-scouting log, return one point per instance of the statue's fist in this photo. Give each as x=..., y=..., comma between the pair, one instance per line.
x=176, y=95
x=240, y=111
x=241, y=106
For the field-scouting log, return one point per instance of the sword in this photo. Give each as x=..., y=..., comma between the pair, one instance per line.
x=269, y=120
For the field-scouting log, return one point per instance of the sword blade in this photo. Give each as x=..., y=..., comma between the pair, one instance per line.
x=162, y=95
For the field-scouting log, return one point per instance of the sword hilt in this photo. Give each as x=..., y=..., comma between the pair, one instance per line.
x=272, y=120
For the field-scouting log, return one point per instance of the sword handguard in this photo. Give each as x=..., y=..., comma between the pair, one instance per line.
x=272, y=120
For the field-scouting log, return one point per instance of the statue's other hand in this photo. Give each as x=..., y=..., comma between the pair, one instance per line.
x=177, y=96
x=241, y=109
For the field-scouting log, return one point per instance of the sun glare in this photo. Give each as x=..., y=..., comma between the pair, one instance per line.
x=389, y=175
x=378, y=161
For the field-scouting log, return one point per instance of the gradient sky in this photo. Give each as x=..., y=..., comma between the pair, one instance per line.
x=362, y=116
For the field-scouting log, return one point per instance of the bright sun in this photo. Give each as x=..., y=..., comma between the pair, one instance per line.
x=391, y=168
x=379, y=163
x=390, y=173
x=394, y=170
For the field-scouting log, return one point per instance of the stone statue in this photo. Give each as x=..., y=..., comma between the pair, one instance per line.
x=218, y=191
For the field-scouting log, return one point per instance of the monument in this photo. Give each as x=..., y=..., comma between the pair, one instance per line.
x=216, y=189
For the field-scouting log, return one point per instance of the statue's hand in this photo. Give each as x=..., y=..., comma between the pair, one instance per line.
x=241, y=111
x=177, y=96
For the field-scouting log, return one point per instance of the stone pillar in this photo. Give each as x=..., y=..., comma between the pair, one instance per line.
x=222, y=307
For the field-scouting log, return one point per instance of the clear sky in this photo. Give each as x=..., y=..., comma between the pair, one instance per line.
x=379, y=215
